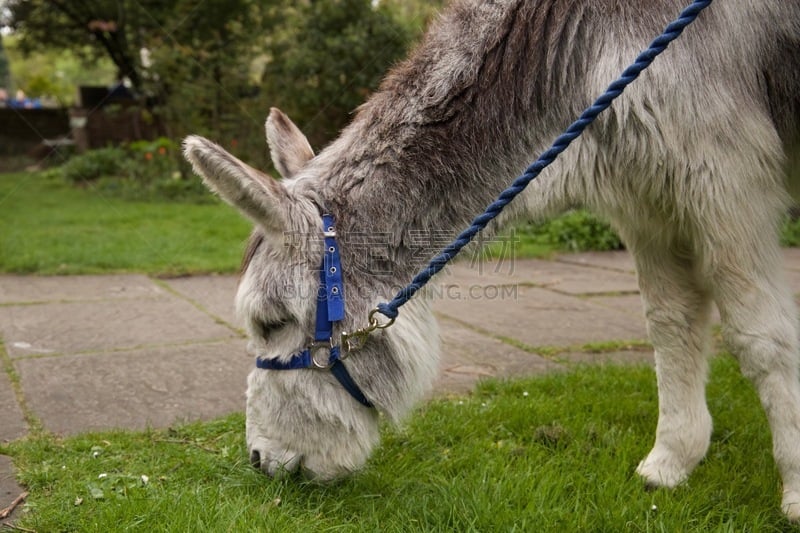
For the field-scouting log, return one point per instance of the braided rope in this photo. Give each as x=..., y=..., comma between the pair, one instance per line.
x=671, y=32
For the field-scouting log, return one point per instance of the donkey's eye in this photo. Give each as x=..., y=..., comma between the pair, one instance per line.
x=268, y=328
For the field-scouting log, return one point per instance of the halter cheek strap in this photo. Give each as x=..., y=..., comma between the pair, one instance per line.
x=330, y=309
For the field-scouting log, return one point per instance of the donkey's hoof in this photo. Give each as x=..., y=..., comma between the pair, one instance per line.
x=791, y=505
x=255, y=459
x=661, y=471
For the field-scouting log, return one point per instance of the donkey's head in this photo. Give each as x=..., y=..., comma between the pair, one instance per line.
x=305, y=418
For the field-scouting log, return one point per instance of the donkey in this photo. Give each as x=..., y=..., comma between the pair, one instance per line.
x=688, y=165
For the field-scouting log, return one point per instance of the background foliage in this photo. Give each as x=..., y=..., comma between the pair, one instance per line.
x=334, y=55
x=5, y=78
x=52, y=74
x=217, y=67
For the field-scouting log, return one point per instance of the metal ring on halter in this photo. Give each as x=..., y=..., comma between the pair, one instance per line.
x=373, y=321
x=315, y=347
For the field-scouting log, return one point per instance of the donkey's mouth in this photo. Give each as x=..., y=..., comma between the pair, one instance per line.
x=277, y=468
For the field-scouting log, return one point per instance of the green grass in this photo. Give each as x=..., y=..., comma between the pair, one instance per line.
x=51, y=227
x=555, y=453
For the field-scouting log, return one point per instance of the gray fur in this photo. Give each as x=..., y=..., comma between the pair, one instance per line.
x=288, y=146
x=688, y=165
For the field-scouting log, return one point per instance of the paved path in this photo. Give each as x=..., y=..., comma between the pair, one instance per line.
x=87, y=353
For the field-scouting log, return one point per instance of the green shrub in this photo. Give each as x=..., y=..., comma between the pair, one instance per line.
x=790, y=233
x=182, y=189
x=574, y=231
x=151, y=161
x=174, y=187
x=94, y=164
x=580, y=231
x=142, y=170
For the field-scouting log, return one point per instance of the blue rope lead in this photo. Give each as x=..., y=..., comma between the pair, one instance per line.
x=644, y=60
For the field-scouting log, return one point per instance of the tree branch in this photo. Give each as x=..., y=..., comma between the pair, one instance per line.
x=5, y=513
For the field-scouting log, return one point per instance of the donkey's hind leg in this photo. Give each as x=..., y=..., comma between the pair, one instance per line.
x=678, y=314
x=759, y=319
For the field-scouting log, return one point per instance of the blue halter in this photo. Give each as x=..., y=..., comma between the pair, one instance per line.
x=330, y=309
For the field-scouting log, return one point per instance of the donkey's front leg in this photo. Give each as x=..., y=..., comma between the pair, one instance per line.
x=678, y=314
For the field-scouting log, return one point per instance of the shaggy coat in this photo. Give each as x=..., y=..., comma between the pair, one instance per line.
x=688, y=165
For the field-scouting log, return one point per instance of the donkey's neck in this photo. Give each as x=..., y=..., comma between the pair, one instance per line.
x=450, y=127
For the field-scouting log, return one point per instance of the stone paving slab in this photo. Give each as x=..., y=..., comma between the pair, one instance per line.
x=12, y=422
x=9, y=489
x=622, y=261
x=104, y=325
x=26, y=289
x=468, y=356
x=792, y=258
x=538, y=317
x=629, y=304
x=633, y=306
x=618, y=260
x=793, y=277
x=156, y=387
x=215, y=294
x=562, y=277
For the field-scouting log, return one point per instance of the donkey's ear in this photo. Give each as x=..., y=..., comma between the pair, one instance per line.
x=258, y=196
x=288, y=146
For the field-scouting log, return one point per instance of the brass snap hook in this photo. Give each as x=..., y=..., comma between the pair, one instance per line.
x=355, y=340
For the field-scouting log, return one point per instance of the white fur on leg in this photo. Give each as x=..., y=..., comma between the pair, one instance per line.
x=670, y=465
x=790, y=505
x=678, y=312
x=681, y=442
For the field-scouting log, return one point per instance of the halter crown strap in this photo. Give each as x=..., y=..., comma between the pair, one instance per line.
x=332, y=271
x=330, y=309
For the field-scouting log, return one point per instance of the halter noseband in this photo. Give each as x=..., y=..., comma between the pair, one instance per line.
x=330, y=309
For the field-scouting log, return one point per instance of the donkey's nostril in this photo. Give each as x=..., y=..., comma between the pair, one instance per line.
x=255, y=459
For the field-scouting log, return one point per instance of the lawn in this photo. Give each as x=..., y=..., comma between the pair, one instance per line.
x=555, y=453
x=52, y=227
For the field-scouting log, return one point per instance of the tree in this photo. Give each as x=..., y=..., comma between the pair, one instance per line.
x=414, y=14
x=5, y=78
x=201, y=70
x=215, y=67
x=328, y=58
x=52, y=74
x=114, y=28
